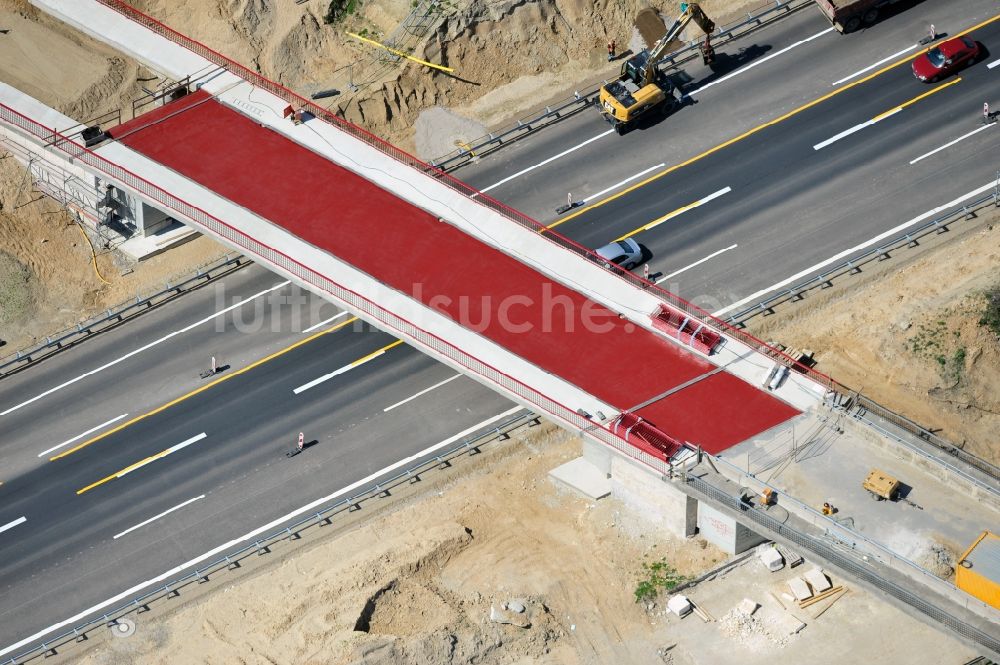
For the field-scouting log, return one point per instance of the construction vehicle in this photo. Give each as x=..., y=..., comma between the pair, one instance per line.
x=849, y=15
x=642, y=88
x=881, y=485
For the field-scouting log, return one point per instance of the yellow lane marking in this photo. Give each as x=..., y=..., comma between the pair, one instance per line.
x=674, y=213
x=373, y=354
x=203, y=388
x=916, y=99
x=769, y=123
x=143, y=462
x=346, y=368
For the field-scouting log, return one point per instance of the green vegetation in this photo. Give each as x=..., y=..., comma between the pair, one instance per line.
x=932, y=342
x=991, y=314
x=657, y=576
x=339, y=9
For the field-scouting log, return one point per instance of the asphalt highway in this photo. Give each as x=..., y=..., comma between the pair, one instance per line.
x=216, y=457
x=775, y=206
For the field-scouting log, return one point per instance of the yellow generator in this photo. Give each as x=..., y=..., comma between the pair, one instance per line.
x=881, y=486
x=642, y=87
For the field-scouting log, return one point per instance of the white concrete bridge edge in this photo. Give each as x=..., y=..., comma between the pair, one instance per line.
x=418, y=188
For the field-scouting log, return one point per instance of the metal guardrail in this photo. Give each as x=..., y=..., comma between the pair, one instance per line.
x=865, y=404
x=126, y=310
x=824, y=280
x=261, y=546
x=851, y=566
x=563, y=109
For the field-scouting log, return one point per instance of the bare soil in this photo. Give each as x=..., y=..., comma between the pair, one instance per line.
x=417, y=585
x=910, y=337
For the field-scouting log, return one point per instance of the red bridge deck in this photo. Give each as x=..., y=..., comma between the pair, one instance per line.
x=410, y=250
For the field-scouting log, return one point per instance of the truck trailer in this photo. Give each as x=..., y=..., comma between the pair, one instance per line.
x=849, y=15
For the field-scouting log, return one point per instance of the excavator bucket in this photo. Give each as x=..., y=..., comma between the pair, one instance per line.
x=706, y=24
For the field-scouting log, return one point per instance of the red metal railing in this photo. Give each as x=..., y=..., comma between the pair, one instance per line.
x=405, y=158
x=354, y=301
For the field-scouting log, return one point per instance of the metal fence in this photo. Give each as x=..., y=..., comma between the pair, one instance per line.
x=865, y=573
x=824, y=280
x=578, y=101
x=865, y=405
x=261, y=546
x=114, y=315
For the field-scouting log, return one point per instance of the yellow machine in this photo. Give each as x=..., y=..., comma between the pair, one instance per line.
x=881, y=485
x=642, y=87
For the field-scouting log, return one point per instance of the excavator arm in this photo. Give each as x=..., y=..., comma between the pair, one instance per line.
x=689, y=12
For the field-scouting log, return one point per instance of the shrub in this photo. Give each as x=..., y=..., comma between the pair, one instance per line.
x=991, y=314
x=659, y=576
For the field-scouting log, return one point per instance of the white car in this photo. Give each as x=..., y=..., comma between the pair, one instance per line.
x=625, y=253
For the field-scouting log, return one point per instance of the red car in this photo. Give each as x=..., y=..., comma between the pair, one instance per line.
x=945, y=59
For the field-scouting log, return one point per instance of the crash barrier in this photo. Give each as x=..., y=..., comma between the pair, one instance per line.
x=831, y=552
x=687, y=330
x=643, y=435
x=824, y=280
x=115, y=315
x=263, y=545
x=864, y=405
x=461, y=188
x=568, y=107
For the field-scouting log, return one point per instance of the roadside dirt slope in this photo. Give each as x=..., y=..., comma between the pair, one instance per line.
x=911, y=338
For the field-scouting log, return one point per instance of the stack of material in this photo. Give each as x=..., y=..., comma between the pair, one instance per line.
x=791, y=558
x=771, y=558
x=799, y=589
x=817, y=580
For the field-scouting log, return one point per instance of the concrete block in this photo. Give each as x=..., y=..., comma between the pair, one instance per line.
x=583, y=477
x=598, y=454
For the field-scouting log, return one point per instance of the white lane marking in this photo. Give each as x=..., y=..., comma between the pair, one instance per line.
x=80, y=436
x=951, y=143
x=172, y=449
x=11, y=525
x=847, y=252
x=623, y=182
x=267, y=528
x=143, y=348
x=156, y=517
x=323, y=323
x=422, y=392
x=696, y=263
x=682, y=209
x=873, y=66
x=857, y=128
x=343, y=370
x=759, y=62
x=547, y=161
x=993, y=64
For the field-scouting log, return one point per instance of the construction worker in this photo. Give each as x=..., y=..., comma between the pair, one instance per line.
x=611, y=50
x=827, y=509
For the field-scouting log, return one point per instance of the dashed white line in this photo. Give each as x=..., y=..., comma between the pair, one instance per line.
x=623, y=182
x=993, y=64
x=80, y=436
x=547, y=161
x=422, y=392
x=153, y=519
x=11, y=525
x=696, y=263
x=857, y=128
x=760, y=61
x=343, y=370
x=323, y=323
x=142, y=348
x=168, y=451
x=270, y=526
x=847, y=252
x=951, y=143
x=873, y=66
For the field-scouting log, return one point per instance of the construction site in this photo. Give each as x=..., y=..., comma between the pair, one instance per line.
x=713, y=468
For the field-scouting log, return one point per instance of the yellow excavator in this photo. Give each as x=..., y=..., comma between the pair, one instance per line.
x=642, y=88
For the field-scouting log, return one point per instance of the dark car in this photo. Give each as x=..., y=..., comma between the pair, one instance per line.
x=945, y=59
